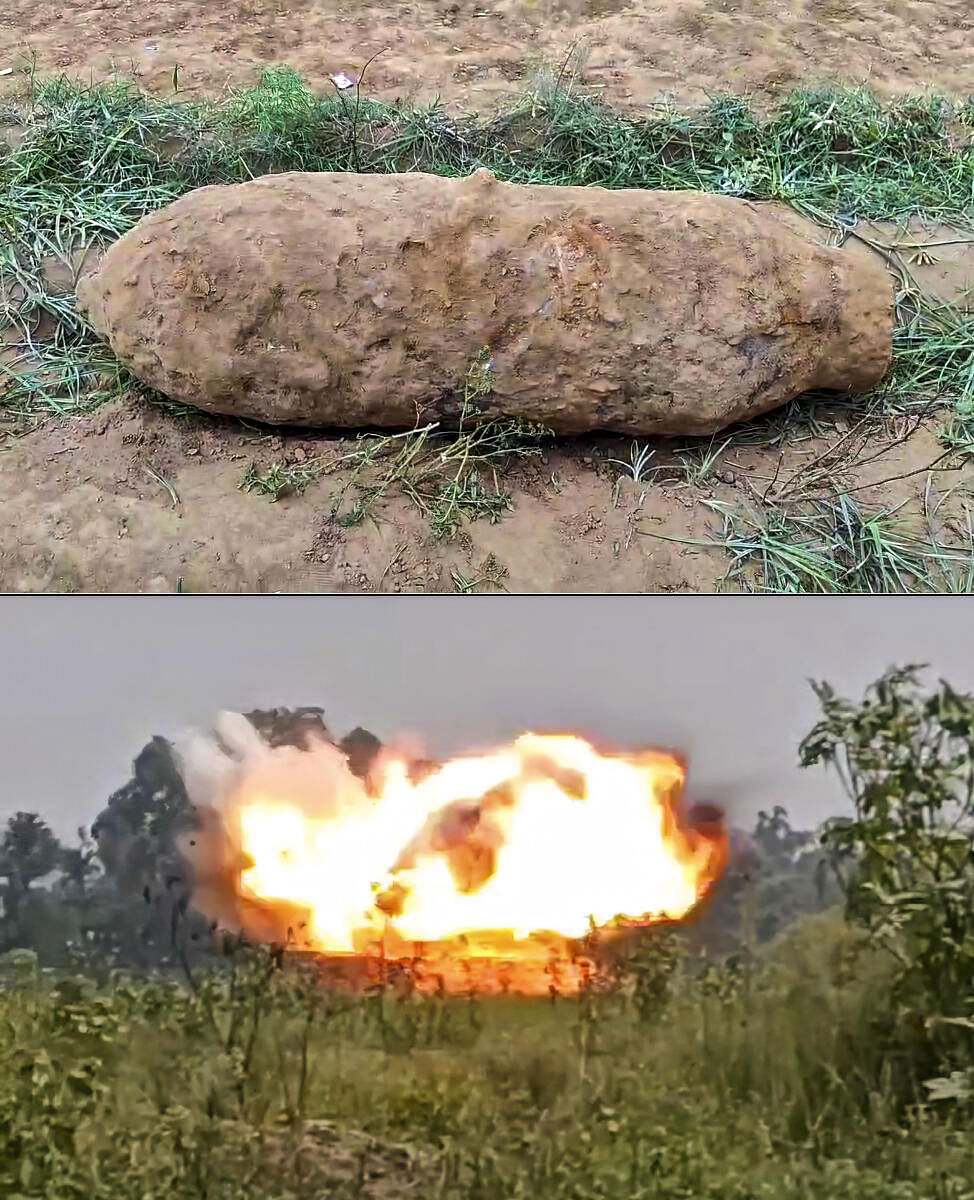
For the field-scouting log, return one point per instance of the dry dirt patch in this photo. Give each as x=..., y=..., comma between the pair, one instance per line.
x=90, y=507
x=85, y=514
x=472, y=54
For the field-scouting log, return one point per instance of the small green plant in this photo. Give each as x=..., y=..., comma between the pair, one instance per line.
x=933, y=350
x=442, y=473
x=637, y=466
x=698, y=464
x=490, y=573
x=652, y=965
x=958, y=430
x=723, y=981
x=279, y=481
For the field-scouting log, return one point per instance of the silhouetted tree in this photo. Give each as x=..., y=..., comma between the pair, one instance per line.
x=28, y=851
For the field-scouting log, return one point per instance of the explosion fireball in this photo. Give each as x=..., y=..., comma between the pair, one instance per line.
x=482, y=863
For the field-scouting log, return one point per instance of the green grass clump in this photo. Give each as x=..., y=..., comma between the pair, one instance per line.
x=278, y=480
x=934, y=354
x=958, y=430
x=833, y=546
x=489, y=575
x=450, y=479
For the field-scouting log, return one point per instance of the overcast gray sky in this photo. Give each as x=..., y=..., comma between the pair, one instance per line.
x=84, y=682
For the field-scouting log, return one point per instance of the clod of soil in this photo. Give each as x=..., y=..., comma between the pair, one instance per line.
x=373, y=300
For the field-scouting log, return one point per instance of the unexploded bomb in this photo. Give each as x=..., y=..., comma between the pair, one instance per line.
x=373, y=300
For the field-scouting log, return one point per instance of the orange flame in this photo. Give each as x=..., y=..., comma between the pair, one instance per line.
x=508, y=856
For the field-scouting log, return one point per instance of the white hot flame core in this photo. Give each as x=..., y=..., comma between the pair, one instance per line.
x=545, y=835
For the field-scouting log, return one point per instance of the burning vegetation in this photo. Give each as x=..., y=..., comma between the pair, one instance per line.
x=516, y=870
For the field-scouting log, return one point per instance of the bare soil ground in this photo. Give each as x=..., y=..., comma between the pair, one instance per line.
x=81, y=499
x=473, y=53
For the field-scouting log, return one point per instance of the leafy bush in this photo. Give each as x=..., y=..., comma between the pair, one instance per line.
x=906, y=760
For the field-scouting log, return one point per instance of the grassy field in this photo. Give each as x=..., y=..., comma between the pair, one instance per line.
x=773, y=1080
x=84, y=164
